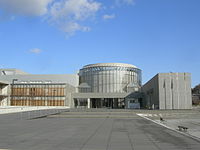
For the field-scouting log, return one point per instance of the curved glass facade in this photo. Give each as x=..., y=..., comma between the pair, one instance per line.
x=109, y=78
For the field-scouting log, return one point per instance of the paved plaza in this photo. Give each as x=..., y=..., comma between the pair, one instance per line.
x=175, y=118
x=88, y=130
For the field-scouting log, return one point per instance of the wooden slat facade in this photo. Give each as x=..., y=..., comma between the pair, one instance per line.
x=38, y=91
x=37, y=103
x=38, y=95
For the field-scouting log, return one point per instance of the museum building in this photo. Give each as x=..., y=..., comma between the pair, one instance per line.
x=101, y=85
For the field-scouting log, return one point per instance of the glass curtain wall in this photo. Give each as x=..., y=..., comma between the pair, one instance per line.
x=110, y=79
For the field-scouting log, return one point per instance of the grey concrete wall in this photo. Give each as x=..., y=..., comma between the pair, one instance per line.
x=71, y=79
x=4, y=94
x=151, y=93
x=169, y=91
x=175, y=91
x=69, y=101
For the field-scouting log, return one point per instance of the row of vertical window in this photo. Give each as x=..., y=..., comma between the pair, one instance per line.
x=115, y=78
x=96, y=69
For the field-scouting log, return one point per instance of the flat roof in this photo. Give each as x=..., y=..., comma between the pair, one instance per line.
x=39, y=83
x=109, y=65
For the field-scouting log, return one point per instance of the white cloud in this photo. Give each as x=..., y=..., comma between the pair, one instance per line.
x=71, y=27
x=74, y=9
x=128, y=2
x=69, y=14
x=36, y=51
x=106, y=17
x=25, y=7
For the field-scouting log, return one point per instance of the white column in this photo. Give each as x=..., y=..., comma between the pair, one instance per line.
x=88, y=101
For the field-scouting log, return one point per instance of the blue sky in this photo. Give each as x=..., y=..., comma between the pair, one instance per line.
x=60, y=36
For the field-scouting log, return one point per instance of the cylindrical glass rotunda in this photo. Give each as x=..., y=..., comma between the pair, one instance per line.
x=109, y=78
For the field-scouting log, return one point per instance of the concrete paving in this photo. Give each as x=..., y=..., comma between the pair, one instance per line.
x=175, y=118
x=93, y=130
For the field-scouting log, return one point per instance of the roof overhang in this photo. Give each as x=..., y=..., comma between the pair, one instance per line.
x=99, y=95
x=4, y=82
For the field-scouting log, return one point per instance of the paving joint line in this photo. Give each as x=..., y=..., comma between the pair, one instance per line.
x=88, y=139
